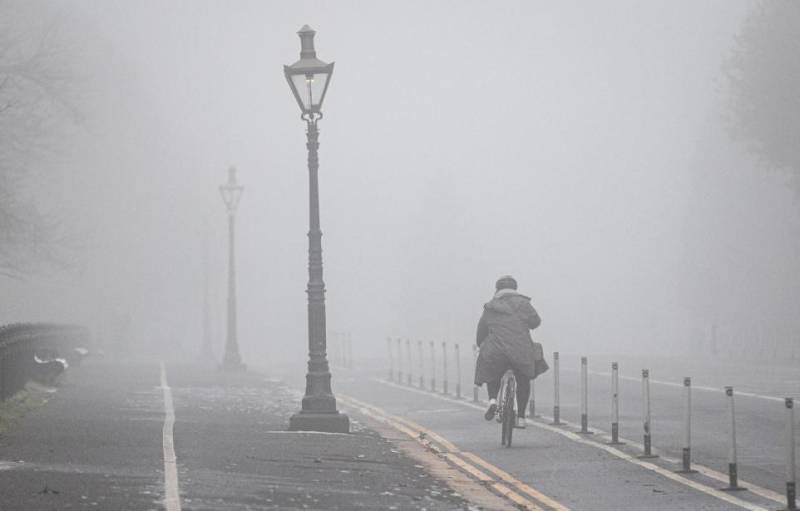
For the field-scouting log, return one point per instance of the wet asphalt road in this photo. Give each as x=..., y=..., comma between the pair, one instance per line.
x=760, y=422
x=92, y=446
x=98, y=444
x=577, y=476
x=609, y=483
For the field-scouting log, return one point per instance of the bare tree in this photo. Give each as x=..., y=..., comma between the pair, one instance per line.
x=35, y=86
x=764, y=79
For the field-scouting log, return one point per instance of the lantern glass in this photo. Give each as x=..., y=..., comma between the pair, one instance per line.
x=231, y=191
x=310, y=89
x=309, y=85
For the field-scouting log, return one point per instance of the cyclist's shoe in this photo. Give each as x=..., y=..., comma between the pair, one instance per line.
x=489, y=415
x=521, y=423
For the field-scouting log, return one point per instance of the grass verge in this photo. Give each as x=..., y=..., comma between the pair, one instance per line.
x=33, y=396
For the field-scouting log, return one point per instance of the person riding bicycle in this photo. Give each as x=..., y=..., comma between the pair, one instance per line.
x=504, y=341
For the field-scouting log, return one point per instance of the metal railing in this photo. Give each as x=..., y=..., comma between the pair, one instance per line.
x=395, y=376
x=20, y=344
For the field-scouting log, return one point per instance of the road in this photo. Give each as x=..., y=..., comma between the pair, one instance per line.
x=578, y=474
x=760, y=419
x=173, y=437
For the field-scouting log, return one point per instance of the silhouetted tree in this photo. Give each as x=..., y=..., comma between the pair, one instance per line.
x=764, y=79
x=35, y=84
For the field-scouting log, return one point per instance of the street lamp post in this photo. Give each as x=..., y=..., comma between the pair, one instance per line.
x=308, y=79
x=231, y=193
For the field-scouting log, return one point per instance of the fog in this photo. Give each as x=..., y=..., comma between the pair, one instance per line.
x=578, y=146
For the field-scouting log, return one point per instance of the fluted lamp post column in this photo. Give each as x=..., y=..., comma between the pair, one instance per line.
x=308, y=79
x=231, y=193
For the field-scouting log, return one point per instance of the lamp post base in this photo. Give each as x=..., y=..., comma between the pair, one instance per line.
x=232, y=364
x=328, y=422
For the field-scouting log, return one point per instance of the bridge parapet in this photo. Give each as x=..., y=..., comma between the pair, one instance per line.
x=37, y=350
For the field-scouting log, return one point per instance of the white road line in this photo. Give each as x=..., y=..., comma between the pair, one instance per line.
x=719, y=390
x=618, y=453
x=172, y=497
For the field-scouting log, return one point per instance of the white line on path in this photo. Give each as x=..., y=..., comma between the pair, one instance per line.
x=172, y=497
x=713, y=492
x=719, y=390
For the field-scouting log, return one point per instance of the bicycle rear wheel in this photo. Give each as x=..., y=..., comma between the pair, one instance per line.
x=509, y=413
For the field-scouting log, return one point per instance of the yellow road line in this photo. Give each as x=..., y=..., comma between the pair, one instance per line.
x=449, y=446
x=502, y=489
x=452, y=453
x=505, y=476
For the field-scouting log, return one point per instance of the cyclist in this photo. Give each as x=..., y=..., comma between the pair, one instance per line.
x=504, y=340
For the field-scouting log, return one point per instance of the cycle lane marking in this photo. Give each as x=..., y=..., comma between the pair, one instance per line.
x=719, y=494
x=172, y=498
x=447, y=450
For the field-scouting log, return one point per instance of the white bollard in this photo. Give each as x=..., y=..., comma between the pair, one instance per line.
x=791, y=475
x=556, y=392
x=409, y=376
x=433, y=367
x=399, y=360
x=421, y=365
x=585, y=396
x=458, y=371
x=391, y=359
x=615, y=404
x=475, y=364
x=687, y=429
x=733, y=472
x=444, y=367
x=646, y=415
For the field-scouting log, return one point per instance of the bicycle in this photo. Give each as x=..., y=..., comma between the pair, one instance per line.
x=506, y=407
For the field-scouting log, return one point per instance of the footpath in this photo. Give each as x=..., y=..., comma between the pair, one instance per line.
x=105, y=441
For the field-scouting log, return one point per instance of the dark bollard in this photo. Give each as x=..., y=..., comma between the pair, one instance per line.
x=421, y=365
x=342, y=338
x=399, y=360
x=733, y=471
x=444, y=367
x=391, y=359
x=458, y=371
x=433, y=368
x=585, y=397
x=349, y=350
x=556, y=392
x=687, y=429
x=646, y=415
x=791, y=475
x=532, y=401
x=475, y=364
x=615, y=404
x=410, y=364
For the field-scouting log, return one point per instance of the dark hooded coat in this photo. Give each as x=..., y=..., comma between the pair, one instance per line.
x=504, y=339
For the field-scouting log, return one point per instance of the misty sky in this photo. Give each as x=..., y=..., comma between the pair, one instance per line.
x=575, y=145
